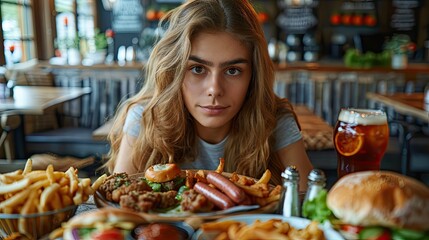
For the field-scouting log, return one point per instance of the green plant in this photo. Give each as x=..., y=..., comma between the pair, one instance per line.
x=399, y=44
x=355, y=59
x=100, y=40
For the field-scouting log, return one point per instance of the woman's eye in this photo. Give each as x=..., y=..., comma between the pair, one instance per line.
x=233, y=71
x=197, y=70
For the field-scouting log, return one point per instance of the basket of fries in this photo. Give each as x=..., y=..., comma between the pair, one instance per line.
x=35, y=202
x=35, y=225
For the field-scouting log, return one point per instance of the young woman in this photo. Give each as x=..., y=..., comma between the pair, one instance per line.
x=208, y=94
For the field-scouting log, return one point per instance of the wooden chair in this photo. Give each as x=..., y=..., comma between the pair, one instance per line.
x=38, y=77
x=9, y=122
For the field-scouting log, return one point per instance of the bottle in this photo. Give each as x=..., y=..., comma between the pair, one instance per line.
x=316, y=182
x=10, y=85
x=289, y=201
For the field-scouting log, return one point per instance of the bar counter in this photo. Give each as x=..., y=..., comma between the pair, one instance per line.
x=338, y=66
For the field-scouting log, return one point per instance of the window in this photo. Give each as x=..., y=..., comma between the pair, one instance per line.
x=75, y=25
x=21, y=18
x=17, y=31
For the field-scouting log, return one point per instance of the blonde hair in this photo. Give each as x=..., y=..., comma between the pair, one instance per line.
x=167, y=133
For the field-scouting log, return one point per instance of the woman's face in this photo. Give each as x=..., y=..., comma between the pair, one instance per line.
x=218, y=74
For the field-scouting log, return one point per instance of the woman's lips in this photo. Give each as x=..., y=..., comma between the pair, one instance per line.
x=214, y=110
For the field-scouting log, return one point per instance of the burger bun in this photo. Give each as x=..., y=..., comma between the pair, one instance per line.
x=162, y=172
x=380, y=198
x=99, y=217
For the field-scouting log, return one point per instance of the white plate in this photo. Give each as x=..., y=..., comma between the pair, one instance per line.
x=296, y=222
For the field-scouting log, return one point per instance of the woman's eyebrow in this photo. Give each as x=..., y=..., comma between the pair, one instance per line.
x=200, y=60
x=224, y=64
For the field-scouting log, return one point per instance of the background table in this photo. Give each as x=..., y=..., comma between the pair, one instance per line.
x=408, y=105
x=33, y=100
x=37, y=100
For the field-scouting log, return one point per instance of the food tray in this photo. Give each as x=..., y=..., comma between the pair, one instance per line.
x=101, y=202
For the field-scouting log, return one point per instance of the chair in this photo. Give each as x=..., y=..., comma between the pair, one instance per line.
x=9, y=122
x=70, y=142
x=414, y=142
x=59, y=133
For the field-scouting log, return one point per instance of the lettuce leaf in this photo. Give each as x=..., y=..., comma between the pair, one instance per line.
x=156, y=187
x=317, y=209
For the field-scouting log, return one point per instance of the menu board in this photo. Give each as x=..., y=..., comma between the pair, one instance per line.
x=405, y=16
x=127, y=16
x=297, y=18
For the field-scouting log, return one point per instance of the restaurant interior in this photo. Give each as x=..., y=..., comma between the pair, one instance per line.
x=66, y=65
x=101, y=46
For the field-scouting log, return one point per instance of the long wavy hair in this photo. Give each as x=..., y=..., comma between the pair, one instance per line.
x=167, y=133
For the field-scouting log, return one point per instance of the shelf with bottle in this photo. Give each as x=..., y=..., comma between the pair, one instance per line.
x=355, y=14
x=154, y=10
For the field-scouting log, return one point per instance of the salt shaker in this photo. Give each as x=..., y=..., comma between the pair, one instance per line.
x=316, y=182
x=289, y=201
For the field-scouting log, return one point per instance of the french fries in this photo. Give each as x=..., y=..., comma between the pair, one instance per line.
x=28, y=192
x=270, y=229
x=265, y=177
x=219, y=168
x=254, y=191
x=260, y=191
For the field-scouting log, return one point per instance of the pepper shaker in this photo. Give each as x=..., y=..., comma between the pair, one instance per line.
x=316, y=182
x=289, y=201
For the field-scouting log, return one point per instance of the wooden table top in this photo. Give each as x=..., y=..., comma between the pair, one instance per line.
x=411, y=104
x=37, y=100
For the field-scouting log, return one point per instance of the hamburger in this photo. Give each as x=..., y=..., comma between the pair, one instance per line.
x=164, y=177
x=380, y=205
x=104, y=223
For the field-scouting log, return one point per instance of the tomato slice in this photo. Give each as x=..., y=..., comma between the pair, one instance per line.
x=385, y=236
x=108, y=234
x=351, y=228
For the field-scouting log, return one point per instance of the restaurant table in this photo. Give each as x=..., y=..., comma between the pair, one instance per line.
x=36, y=100
x=408, y=105
x=89, y=205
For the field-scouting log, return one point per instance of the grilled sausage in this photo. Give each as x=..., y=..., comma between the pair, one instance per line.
x=225, y=185
x=219, y=199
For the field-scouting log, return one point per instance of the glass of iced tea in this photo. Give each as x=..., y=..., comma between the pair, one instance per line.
x=360, y=138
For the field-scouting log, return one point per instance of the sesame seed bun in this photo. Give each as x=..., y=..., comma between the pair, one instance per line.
x=380, y=198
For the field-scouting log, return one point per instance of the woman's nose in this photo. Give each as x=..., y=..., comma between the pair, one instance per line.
x=215, y=88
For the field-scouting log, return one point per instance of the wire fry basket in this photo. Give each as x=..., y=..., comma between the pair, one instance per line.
x=35, y=225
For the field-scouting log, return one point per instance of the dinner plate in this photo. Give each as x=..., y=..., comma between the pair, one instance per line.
x=100, y=202
x=296, y=222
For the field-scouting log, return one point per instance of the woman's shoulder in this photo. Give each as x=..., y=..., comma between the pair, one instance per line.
x=136, y=108
x=133, y=119
x=286, y=119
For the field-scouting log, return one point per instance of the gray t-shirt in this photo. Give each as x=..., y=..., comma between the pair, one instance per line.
x=286, y=133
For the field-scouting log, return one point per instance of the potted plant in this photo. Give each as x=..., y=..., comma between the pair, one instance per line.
x=399, y=45
x=98, y=48
x=100, y=40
